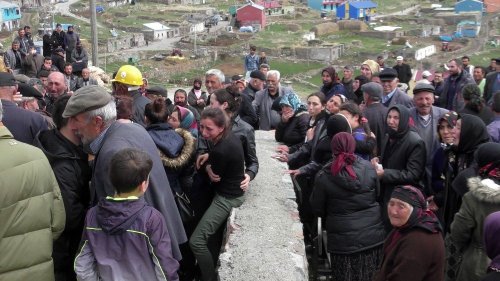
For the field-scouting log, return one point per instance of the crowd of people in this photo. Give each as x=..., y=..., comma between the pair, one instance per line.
x=131, y=185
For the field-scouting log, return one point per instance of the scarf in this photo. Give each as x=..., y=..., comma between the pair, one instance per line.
x=343, y=146
x=491, y=234
x=292, y=100
x=473, y=132
x=421, y=217
x=405, y=122
x=187, y=120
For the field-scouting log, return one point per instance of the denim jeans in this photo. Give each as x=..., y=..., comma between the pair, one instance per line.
x=214, y=217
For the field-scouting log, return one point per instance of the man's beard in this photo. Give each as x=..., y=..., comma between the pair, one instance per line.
x=197, y=87
x=180, y=103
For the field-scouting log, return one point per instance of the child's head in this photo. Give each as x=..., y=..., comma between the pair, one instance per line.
x=129, y=171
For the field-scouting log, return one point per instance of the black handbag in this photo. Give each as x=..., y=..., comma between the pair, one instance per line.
x=184, y=206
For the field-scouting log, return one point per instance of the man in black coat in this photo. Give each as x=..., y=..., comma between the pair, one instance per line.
x=375, y=111
x=58, y=59
x=70, y=165
x=404, y=71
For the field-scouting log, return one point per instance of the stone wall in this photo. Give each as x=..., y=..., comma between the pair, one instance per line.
x=265, y=240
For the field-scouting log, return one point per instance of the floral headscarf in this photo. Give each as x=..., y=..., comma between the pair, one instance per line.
x=187, y=120
x=292, y=100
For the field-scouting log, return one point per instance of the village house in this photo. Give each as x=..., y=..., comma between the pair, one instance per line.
x=10, y=17
x=251, y=15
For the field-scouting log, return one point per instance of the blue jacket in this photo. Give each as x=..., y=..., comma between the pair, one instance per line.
x=124, y=239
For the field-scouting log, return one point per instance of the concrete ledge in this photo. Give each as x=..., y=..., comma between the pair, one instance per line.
x=265, y=239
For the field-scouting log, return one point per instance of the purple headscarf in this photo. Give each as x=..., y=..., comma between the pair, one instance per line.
x=491, y=239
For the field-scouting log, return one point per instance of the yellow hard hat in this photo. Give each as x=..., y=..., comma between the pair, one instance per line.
x=128, y=74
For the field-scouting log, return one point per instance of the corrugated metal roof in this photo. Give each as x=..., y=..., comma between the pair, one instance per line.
x=363, y=4
x=156, y=26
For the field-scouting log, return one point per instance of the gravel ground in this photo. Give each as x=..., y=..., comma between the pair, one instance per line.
x=266, y=241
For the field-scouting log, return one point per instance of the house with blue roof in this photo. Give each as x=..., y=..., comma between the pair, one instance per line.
x=360, y=10
x=10, y=16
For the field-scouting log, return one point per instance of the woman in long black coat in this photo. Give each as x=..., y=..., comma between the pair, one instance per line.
x=345, y=194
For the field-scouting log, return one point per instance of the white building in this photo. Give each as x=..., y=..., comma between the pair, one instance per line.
x=156, y=31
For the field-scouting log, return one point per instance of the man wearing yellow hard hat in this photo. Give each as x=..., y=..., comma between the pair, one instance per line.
x=127, y=82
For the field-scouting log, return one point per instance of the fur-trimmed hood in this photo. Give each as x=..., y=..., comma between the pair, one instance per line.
x=186, y=154
x=485, y=190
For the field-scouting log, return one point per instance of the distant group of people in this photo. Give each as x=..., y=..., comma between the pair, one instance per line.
x=59, y=50
x=391, y=176
x=131, y=185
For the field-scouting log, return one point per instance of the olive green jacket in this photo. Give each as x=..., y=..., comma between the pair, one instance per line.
x=31, y=211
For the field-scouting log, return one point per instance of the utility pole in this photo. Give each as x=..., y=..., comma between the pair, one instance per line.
x=93, y=31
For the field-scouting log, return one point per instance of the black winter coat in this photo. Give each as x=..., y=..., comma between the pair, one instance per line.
x=70, y=166
x=403, y=161
x=294, y=131
x=303, y=156
x=353, y=217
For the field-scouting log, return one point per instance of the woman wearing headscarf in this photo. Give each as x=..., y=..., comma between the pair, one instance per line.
x=368, y=68
x=442, y=156
x=492, y=246
x=482, y=199
x=402, y=160
x=474, y=104
x=469, y=133
x=331, y=85
x=356, y=87
x=183, y=118
x=292, y=128
x=414, y=249
x=345, y=194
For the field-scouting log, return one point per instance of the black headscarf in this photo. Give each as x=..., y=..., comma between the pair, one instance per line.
x=335, y=124
x=405, y=122
x=421, y=217
x=473, y=132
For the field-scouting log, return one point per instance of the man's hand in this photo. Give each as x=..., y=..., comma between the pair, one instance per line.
x=283, y=157
x=282, y=148
x=213, y=177
x=245, y=183
x=293, y=173
x=201, y=160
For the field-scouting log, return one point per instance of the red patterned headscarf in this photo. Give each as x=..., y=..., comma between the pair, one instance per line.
x=343, y=146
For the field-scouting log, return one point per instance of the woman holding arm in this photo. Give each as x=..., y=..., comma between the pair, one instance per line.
x=227, y=162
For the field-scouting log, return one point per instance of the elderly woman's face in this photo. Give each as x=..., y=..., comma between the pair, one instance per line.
x=399, y=212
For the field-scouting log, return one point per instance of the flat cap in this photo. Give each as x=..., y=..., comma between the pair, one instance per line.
x=7, y=79
x=86, y=99
x=59, y=50
x=423, y=87
x=157, y=90
x=373, y=89
x=388, y=74
x=497, y=60
x=28, y=91
x=258, y=75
